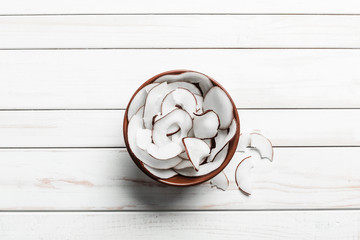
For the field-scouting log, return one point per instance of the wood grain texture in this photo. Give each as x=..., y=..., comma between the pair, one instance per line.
x=61, y=128
x=103, y=128
x=332, y=225
x=78, y=79
x=180, y=31
x=79, y=163
x=107, y=179
x=184, y=6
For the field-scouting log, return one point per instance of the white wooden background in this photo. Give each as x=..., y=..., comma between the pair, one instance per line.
x=68, y=69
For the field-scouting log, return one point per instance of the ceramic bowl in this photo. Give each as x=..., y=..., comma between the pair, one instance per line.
x=182, y=180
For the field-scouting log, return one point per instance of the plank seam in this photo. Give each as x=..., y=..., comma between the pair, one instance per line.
x=182, y=48
x=177, y=14
x=123, y=109
x=181, y=210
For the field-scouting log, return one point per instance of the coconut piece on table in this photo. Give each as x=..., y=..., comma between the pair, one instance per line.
x=244, y=142
x=220, y=181
x=243, y=175
x=262, y=145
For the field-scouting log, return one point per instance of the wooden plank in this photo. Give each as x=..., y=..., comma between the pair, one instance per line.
x=182, y=225
x=77, y=79
x=180, y=31
x=185, y=6
x=61, y=128
x=103, y=128
x=107, y=179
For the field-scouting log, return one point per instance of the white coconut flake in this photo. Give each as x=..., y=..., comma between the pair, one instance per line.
x=243, y=176
x=262, y=145
x=220, y=181
x=164, y=152
x=189, y=86
x=218, y=101
x=179, y=98
x=192, y=77
x=177, y=117
x=136, y=123
x=143, y=138
x=184, y=164
x=161, y=173
x=244, y=142
x=205, y=168
x=197, y=150
x=206, y=125
x=152, y=105
x=222, y=140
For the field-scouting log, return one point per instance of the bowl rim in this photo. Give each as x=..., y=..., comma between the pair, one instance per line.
x=179, y=180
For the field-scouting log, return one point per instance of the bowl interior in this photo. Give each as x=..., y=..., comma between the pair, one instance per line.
x=182, y=180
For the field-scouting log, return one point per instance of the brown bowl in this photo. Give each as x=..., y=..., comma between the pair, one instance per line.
x=181, y=180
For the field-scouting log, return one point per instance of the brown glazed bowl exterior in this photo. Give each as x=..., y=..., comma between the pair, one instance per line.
x=181, y=180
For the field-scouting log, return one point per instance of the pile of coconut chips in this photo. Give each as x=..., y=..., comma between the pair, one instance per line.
x=181, y=125
x=248, y=143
